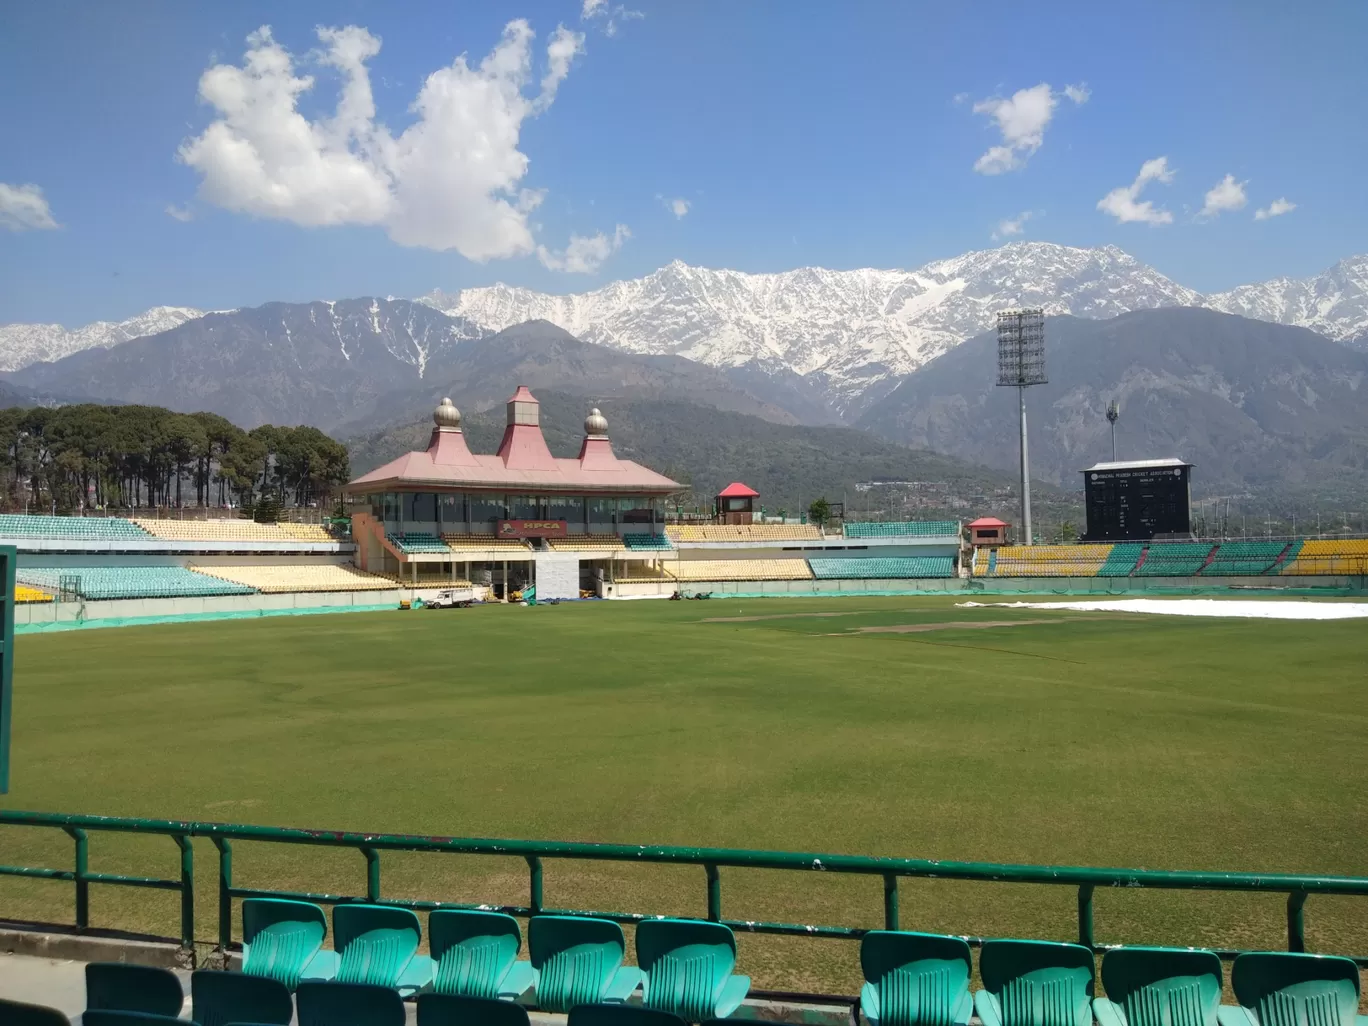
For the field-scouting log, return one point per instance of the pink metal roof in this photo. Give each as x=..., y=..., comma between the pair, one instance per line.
x=736, y=490
x=987, y=522
x=523, y=463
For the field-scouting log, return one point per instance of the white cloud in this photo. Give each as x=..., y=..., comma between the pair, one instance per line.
x=1022, y=119
x=585, y=254
x=1227, y=194
x=179, y=213
x=1277, y=208
x=23, y=207
x=453, y=180
x=1123, y=203
x=1010, y=226
x=678, y=206
x=1078, y=93
x=613, y=16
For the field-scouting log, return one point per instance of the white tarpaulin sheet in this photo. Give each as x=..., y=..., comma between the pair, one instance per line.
x=1269, y=610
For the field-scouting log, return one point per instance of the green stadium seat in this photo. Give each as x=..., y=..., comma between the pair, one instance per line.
x=348, y=1004
x=418, y=541
x=222, y=998
x=123, y=582
x=915, y=979
x=578, y=961
x=688, y=968
x=904, y=529
x=641, y=542
x=475, y=955
x=125, y=987
x=283, y=940
x=453, y=1010
x=1159, y=987
x=620, y=1015
x=49, y=528
x=1174, y=559
x=378, y=945
x=882, y=568
x=1280, y=988
x=18, y=1013
x=1035, y=983
x=1121, y=560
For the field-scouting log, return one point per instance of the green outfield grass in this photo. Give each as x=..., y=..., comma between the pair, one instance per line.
x=1092, y=739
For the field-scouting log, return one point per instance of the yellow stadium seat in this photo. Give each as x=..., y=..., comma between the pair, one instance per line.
x=288, y=577
x=588, y=543
x=25, y=593
x=741, y=569
x=468, y=542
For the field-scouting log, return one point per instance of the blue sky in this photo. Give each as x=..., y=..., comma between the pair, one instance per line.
x=798, y=133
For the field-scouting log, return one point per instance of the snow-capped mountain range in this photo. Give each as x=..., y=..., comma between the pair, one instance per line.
x=844, y=332
x=23, y=344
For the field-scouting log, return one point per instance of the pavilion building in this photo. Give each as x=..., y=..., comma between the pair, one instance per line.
x=460, y=510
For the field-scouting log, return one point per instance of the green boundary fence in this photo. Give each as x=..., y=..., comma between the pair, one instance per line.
x=712, y=860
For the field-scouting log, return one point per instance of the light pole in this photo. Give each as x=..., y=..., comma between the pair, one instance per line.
x=1021, y=363
x=1113, y=415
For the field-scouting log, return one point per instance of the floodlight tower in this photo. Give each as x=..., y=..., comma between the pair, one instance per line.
x=1113, y=415
x=1021, y=363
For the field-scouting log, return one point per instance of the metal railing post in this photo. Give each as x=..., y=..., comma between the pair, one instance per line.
x=1296, y=924
x=1085, y=916
x=187, y=889
x=225, y=891
x=890, y=901
x=372, y=873
x=534, y=884
x=714, y=892
x=81, y=867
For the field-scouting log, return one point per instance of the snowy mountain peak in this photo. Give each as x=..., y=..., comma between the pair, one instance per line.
x=23, y=344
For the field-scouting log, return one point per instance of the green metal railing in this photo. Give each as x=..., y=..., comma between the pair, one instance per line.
x=889, y=870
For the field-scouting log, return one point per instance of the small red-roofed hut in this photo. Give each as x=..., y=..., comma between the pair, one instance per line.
x=735, y=504
x=988, y=532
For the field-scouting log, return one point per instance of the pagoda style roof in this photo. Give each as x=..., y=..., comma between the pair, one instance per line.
x=737, y=490
x=522, y=464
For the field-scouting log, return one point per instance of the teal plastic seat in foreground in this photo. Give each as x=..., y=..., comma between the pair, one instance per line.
x=348, y=1004
x=1159, y=987
x=378, y=944
x=687, y=966
x=1035, y=983
x=453, y=1010
x=283, y=940
x=1280, y=988
x=621, y=1015
x=119, y=1017
x=17, y=1013
x=222, y=998
x=123, y=987
x=915, y=979
x=578, y=961
x=475, y=954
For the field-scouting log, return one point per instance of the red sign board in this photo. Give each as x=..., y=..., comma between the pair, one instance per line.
x=533, y=529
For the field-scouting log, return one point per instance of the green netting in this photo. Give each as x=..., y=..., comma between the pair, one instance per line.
x=905, y=529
